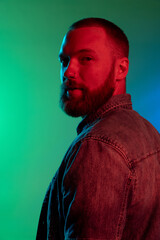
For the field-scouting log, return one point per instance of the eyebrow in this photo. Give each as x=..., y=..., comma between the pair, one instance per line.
x=61, y=55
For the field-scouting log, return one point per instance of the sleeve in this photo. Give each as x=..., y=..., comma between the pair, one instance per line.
x=95, y=191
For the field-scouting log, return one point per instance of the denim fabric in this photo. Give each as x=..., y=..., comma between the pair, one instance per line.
x=108, y=184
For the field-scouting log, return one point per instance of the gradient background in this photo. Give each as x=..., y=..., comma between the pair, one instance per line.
x=34, y=132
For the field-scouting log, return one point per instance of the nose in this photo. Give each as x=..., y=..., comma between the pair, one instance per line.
x=70, y=72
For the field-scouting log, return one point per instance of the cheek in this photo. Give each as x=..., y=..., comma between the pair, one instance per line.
x=94, y=77
x=90, y=78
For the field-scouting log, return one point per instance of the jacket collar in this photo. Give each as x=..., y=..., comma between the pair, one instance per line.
x=115, y=102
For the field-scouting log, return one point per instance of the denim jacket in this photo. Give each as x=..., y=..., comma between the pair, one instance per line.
x=108, y=184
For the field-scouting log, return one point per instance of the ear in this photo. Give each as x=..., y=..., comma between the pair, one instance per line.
x=121, y=70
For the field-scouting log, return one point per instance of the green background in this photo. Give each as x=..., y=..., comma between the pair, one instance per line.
x=34, y=132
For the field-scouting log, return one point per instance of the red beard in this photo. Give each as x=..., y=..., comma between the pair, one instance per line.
x=89, y=101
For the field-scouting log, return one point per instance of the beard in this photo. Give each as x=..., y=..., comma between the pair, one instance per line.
x=89, y=101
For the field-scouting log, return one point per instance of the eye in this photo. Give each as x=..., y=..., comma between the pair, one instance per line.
x=86, y=59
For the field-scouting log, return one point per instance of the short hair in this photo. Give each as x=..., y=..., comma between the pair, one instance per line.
x=121, y=44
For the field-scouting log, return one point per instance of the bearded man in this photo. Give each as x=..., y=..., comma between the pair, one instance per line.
x=108, y=184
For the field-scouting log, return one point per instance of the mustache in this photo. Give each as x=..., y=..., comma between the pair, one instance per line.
x=69, y=84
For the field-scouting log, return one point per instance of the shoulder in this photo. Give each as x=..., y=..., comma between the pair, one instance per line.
x=122, y=133
x=126, y=130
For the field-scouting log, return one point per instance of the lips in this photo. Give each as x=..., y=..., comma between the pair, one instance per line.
x=73, y=92
x=72, y=85
x=71, y=88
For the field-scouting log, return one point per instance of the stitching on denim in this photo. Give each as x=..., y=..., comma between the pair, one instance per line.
x=123, y=207
x=115, y=146
x=130, y=164
x=109, y=108
x=132, y=179
x=123, y=102
x=137, y=160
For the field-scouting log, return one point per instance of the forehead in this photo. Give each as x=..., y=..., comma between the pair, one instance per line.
x=87, y=37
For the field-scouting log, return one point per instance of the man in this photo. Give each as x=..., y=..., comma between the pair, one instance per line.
x=108, y=185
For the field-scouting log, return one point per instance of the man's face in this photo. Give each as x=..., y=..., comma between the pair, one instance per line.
x=87, y=71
